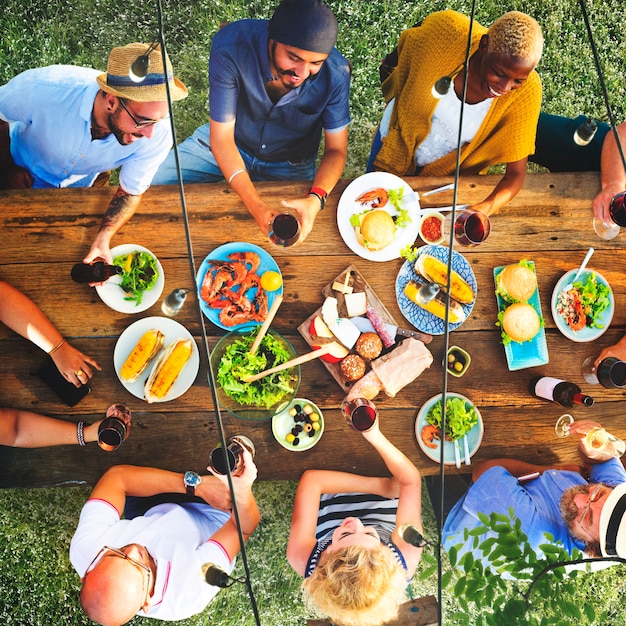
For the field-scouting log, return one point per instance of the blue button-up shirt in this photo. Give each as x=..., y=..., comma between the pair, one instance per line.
x=535, y=503
x=289, y=130
x=49, y=114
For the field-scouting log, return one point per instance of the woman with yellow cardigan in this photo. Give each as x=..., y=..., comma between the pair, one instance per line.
x=418, y=133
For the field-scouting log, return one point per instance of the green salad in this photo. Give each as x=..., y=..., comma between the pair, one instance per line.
x=237, y=363
x=395, y=197
x=139, y=273
x=459, y=418
x=595, y=298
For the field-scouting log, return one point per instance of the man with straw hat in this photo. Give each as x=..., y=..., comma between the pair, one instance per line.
x=273, y=87
x=63, y=126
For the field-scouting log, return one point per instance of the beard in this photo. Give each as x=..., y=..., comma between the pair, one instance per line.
x=112, y=121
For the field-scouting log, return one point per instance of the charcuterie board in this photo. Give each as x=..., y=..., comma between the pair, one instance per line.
x=353, y=278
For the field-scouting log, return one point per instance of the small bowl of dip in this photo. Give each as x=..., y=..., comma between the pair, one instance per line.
x=431, y=229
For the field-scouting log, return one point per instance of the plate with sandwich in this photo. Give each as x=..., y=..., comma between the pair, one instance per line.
x=156, y=359
x=431, y=267
x=519, y=315
x=377, y=215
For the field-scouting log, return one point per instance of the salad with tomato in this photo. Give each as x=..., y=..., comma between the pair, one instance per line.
x=584, y=303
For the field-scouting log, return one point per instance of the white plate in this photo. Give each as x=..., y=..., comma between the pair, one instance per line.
x=587, y=333
x=474, y=436
x=221, y=253
x=172, y=330
x=113, y=295
x=282, y=423
x=420, y=318
x=348, y=206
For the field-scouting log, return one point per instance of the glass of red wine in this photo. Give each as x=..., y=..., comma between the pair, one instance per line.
x=617, y=211
x=284, y=230
x=360, y=413
x=114, y=428
x=610, y=373
x=471, y=227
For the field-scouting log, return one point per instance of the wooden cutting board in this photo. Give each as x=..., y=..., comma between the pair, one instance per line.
x=358, y=283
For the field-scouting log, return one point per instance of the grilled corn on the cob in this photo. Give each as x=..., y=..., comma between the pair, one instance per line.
x=142, y=354
x=167, y=369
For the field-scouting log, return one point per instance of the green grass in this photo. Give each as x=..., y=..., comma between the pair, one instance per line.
x=37, y=584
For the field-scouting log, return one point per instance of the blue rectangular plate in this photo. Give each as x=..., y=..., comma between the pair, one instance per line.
x=530, y=353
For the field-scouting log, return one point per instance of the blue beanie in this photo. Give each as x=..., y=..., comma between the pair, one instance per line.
x=305, y=24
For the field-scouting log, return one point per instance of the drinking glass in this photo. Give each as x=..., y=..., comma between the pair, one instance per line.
x=617, y=210
x=284, y=230
x=611, y=372
x=114, y=428
x=471, y=227
x=232, y=455
x=597, y=443
x=360, y=413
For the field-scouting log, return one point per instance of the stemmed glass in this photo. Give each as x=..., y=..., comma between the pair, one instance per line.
x=611, y=372
x=597, y=443
x=617, y=210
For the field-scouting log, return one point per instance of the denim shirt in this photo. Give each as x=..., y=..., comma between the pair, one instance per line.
x=290, y=129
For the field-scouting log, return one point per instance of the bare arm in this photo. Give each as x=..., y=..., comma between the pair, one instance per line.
x=612, y=175
x=409, y=482
x=23, y=429
x=329, y=172
x=24, y=317
x=228, y=158
x=506, y=189
x=121, y=208
x=11, y=175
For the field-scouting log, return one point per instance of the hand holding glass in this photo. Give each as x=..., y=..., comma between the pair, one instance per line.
x=596, y=444
x=284, y=230
x=617, y=211
x=114, y=428
x=471, y=227
x=360, y=413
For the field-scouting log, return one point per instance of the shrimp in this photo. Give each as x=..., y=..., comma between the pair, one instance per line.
x=378, y=197
x=429, y=434
x=251, y=258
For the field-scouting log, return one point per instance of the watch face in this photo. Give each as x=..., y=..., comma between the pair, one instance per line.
x=192, y=479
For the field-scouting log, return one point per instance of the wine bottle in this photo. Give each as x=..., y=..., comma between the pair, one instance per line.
x=560, y=391
x=96, y=272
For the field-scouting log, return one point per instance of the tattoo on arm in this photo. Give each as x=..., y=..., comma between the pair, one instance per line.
x=120, y=210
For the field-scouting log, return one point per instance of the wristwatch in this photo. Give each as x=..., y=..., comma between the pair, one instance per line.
x=191, y=480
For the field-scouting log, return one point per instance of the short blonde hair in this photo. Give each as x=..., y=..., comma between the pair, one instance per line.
x=516, y=34
x=357, y=586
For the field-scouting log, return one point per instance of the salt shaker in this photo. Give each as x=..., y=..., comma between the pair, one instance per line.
x=173, y=303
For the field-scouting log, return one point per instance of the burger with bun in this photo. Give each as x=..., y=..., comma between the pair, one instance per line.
x=374, y=230
x=516, y=282
x=519, y=322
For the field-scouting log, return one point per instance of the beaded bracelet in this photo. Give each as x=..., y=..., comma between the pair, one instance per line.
x=80, y=433
x=57, y=347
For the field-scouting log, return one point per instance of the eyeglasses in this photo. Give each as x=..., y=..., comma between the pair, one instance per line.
x=125, y=556
x=585, y=516
x=138, y=123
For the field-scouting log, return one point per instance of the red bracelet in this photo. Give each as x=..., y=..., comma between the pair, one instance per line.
x=320, y=194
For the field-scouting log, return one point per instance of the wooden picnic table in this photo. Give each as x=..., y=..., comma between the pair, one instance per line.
x=44, y=232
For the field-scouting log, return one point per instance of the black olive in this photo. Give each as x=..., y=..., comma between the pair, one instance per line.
x=295, y=442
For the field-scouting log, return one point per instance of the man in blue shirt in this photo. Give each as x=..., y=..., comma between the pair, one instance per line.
x=62, y=125
x=534, y=493
x=273, y=87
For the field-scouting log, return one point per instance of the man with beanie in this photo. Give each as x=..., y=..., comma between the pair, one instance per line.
x=273, y=86
x=63, y=126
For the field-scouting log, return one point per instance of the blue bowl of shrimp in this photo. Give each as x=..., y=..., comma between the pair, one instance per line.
x=232, y=363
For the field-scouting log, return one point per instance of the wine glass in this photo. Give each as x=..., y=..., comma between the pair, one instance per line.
x=611, y=372
x=617, y=210
x=284, y=230
x=563, y=424
x=471, y=227
x=360, y=413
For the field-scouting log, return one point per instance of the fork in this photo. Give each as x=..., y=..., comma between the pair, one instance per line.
x=583, y=265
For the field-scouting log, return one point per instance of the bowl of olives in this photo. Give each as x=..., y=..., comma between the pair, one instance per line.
x=299, y=425
x=458, y=361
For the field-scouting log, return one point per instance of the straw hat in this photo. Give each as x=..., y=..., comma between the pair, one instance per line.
x=613, y=523
x=118, y=82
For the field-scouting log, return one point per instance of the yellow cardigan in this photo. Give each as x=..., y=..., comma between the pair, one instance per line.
x=426, y=53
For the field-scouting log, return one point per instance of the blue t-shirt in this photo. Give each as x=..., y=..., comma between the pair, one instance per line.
x=535, y=503
x=290, y=129
x=49, y=114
